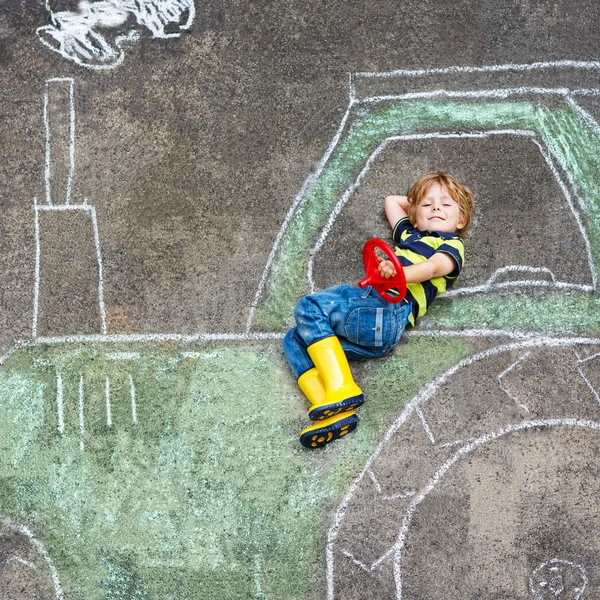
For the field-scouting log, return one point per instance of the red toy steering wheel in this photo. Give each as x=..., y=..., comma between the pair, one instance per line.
x=373, y=278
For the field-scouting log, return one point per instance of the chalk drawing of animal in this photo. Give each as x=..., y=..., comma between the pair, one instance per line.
x=92, y=34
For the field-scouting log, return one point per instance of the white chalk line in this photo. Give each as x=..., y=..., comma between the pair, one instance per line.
x=577, y=64
x=379, y=489
x=585, y=115
x=59, y=595
x=455, y=443
x=200, y=355
x=374, y=480
x=21, y=561
x=126, y=356
x=351, y=89
x=518, y=268
x=357, y=562
x=589, y=357
x=71, y=141
x=558, y=285
x=47, y=146
x=108, y=411
x=36, y=282
x=441, y=473
x=47, y=170
x=100, y=277
x=512, y=334
x=496, y=94
x=298, y=201
x=425, y=425
x=582, y=572
x=59, y=404
x=593, y=390
x=490, y=285
x=258, y=592
x=508, y=370
x=133, y=400
x=244, y=337
x=154, y=337
x=400, y=496
x=425, y=394
x=65, y=207
x=567, y=195
x=375, y=565
x=81, y=414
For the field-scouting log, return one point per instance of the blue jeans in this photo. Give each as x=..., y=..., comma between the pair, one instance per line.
x=365, y=323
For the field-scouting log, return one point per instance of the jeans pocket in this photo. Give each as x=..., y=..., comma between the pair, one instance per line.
x=368, y=326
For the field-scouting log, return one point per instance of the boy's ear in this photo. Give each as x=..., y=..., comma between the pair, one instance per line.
x=462, y=221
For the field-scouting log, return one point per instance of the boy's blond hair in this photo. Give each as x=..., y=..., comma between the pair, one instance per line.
x=460, y=193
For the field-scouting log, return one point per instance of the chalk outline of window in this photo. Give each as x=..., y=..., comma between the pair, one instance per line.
x=490, y=285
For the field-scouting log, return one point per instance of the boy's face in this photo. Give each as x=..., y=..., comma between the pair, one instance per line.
x=437, y=211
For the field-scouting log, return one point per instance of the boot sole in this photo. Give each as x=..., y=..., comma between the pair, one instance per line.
x=326, y=411
x=318, y=436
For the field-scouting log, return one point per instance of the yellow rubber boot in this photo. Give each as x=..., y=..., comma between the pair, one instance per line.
x=327, y=430
x=312, y=386
x=341, y=393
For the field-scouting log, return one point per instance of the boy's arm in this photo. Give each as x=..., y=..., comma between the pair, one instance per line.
x=395, y=209
x=438, y=265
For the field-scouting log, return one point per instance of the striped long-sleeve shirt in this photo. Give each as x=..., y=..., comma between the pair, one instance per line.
x=414, y=246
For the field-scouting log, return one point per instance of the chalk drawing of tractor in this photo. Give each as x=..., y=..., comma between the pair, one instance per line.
x=147, y=462
x=92, y=34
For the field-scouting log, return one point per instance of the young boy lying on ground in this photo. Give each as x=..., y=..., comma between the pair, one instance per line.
x=345, y=321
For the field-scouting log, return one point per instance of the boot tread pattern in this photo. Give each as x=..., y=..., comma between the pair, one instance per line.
x=325, y=411
x=317, y=437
